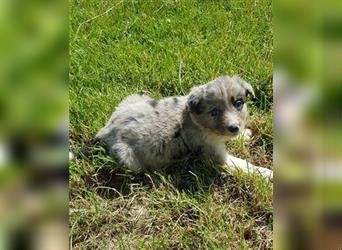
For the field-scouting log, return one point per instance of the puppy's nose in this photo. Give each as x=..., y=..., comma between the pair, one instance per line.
x=233, y=128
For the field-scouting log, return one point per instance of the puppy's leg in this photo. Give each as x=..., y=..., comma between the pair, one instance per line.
x=126, y=156
x=248, y=167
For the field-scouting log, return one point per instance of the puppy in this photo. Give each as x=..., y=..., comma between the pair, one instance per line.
x=144, y=133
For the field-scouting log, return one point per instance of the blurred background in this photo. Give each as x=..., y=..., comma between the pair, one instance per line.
x=34, y=124
x=307, y=118
x=307, y=121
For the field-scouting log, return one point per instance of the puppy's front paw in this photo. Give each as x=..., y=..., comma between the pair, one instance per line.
x=246, y=135
x=266, y=173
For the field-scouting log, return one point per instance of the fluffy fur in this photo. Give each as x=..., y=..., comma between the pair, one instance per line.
x=144, y=133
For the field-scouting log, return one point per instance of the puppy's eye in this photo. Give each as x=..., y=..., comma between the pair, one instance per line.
x=215, y=112
x=238, y=104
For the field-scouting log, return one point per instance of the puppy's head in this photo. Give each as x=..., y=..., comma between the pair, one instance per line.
x=220, y=105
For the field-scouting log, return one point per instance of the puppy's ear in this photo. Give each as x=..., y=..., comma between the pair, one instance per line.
x=249, y=90
x=246, y=86
x=195, y=99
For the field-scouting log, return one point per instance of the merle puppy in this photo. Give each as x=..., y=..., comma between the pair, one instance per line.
x=144, y=133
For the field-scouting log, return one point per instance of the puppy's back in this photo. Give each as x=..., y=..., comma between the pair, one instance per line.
x=146, y=126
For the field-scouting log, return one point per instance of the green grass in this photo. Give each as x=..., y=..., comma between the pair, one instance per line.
x=164, y=48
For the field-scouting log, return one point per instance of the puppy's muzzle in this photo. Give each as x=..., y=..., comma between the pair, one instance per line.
x=234, y=128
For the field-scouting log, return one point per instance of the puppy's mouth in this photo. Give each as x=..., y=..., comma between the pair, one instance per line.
x=227, y=131
x=233, y=135
x=225, y=134
x=229, y=134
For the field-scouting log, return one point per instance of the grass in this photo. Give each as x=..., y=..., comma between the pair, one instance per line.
x=163, y=48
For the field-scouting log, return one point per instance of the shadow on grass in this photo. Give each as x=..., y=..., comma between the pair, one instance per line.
x=110, y=180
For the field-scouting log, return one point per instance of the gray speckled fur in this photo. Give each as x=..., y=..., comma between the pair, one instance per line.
x=144, y=133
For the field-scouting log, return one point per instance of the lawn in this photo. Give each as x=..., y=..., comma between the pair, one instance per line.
x=163, y=48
